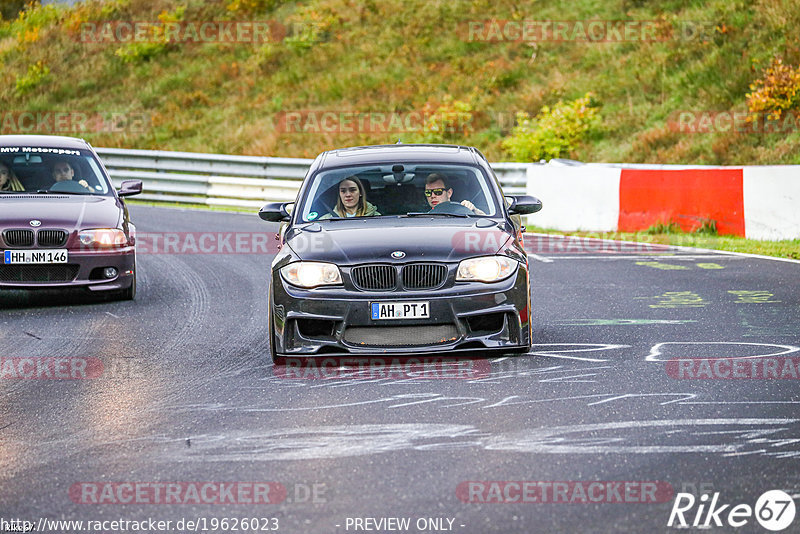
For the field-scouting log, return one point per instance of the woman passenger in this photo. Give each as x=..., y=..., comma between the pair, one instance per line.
x=352, y=200
x=9, y=180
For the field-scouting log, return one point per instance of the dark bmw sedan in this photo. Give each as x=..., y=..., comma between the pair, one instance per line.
x=62, y=223
x=400, y=249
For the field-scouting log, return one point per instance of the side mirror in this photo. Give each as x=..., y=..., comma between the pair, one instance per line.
x=129, y=188
x=523, y=205
x=277, y=211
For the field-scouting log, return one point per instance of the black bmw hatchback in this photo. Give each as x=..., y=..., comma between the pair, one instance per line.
x=400, y=249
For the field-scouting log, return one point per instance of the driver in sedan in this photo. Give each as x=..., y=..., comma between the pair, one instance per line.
x=63, y=171
x=437, y=190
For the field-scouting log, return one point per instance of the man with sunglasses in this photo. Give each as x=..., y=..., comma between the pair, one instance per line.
x=437, y=190
x=64, y=171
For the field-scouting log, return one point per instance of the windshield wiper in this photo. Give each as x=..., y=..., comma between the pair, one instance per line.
x=439, y=214
x=50, y=192
x=363, y=218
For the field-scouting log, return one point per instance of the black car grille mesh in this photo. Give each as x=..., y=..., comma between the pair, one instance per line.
x=18, y=238
x=384, y=277
x=374, y=277
x=38, y=273
x=424, y=275
x=400, y=336
x=51, y=238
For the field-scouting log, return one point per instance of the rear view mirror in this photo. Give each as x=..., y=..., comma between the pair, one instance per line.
x=129, y=188
x=523, y=204
x=27, y=159
x=277, y=211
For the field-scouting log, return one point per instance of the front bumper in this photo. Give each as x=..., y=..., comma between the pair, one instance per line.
x=463, y=316
x=83, y=269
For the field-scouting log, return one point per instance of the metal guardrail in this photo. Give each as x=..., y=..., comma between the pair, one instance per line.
x=239, y=181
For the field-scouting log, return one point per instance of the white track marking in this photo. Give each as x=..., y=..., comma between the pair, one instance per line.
x=677, y=247
x=655, y=350
x=540, y=258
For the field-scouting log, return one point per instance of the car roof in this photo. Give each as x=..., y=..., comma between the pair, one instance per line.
x=400, y=153
x=54, y=141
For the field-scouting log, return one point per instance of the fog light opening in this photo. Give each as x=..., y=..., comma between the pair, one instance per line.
x=486, y=323
x=110, y=272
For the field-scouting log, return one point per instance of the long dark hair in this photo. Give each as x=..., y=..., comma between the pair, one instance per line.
x=361, y=207
x=13, y=183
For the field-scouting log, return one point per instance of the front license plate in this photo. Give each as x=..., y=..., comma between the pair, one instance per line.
x=58, y=255
x=400, y=310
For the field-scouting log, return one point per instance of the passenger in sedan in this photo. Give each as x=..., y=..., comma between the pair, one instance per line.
x=9, y=180
x=352, y=201
x=438, y=190
x=63, y=171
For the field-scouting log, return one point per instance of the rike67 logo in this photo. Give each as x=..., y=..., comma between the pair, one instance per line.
x=774, y=511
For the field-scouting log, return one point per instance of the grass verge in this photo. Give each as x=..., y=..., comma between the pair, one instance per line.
x=779, y=249
x=234, y=209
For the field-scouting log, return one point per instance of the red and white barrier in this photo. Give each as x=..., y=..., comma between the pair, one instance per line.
x=753, y=202
x=772, y=202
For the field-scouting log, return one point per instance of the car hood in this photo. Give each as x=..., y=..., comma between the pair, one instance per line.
x=60, y=211
x=372, y=240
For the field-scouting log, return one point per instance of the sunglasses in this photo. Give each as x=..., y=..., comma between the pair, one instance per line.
x=438, y=192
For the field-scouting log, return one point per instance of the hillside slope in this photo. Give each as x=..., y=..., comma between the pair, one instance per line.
x=377, y=66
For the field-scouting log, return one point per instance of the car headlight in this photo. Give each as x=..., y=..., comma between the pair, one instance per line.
x=103, y=238
x=486, y=269
x=310, y=274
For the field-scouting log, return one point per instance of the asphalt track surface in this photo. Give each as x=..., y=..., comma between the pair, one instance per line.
x=188, y=394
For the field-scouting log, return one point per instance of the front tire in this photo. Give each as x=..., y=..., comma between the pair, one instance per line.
x=129, y=293
x=277, y=360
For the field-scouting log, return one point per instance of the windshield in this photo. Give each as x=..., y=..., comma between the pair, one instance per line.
x=393, y=190
x=51, y=170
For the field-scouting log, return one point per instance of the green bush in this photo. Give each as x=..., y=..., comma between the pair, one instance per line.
x=28, y=21
x=554, y=132
x=36, y=16
x=777, y=92
x=37, y=74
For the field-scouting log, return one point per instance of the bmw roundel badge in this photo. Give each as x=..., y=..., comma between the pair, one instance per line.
x=398, y=254
x=35, y=223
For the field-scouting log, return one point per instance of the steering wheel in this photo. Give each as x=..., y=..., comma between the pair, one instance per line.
x=453, y=208
x=68, y=186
